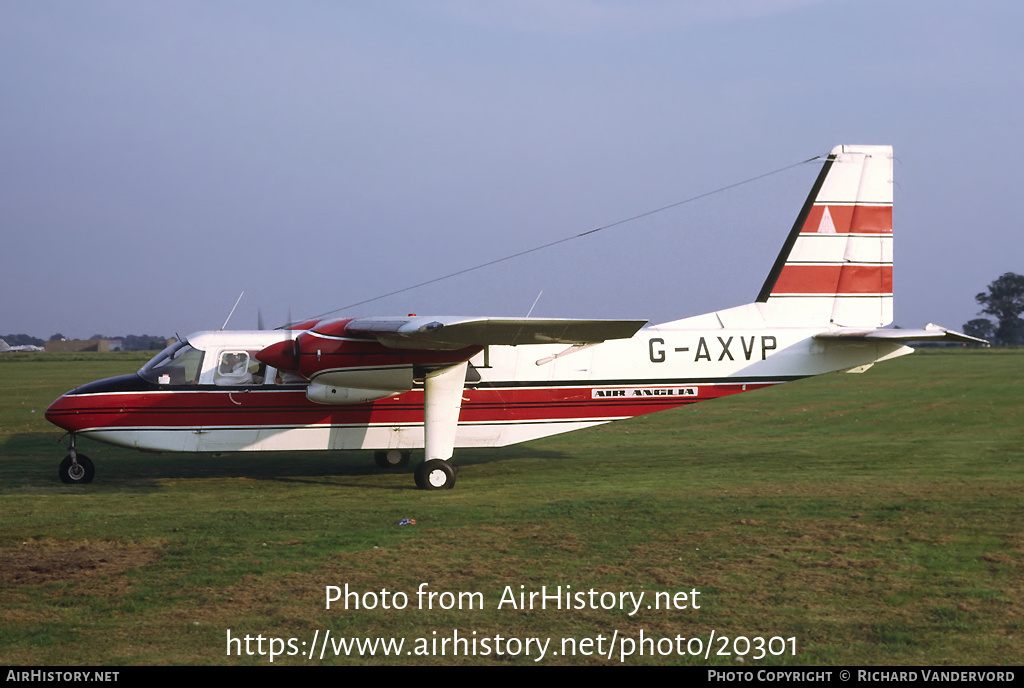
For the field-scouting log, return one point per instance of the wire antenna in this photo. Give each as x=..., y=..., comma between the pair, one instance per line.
x=237, y=301
x=534, y=303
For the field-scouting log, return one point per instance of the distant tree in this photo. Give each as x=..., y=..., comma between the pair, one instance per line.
x=97, y=336
x=57, y=337
x=1005, y=300
x=22, y=340
x=981, y=328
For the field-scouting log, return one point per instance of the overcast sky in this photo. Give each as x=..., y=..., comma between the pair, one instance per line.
x=156, y=159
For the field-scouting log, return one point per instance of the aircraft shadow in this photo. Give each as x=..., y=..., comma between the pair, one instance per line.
x=30, y=465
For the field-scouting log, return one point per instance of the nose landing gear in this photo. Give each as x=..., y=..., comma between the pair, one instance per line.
x=76, y=469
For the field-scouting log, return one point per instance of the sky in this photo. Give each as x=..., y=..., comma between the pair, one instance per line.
x=158, y=159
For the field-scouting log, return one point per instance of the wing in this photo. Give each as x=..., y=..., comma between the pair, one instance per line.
x=449, y=332
x=379, y=354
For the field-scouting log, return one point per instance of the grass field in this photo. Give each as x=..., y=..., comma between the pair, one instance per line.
x=875, y=519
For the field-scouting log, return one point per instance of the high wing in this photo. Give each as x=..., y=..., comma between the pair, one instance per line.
x=451, y=332
x=930, y=333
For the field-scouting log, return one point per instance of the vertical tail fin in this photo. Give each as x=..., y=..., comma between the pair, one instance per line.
x=836, y=265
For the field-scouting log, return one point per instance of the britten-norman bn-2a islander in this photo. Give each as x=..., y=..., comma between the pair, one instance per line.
x=397, y=384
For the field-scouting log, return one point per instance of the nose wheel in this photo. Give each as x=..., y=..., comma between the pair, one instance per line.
x=76, y=469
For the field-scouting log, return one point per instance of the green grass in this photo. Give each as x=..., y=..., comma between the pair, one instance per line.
x=876, y=518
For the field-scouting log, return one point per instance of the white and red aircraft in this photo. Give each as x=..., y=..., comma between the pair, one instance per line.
x=396, y=384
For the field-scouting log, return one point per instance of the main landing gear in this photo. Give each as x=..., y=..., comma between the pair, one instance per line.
x=435, y=474
x=76, y=469
x=442, y=402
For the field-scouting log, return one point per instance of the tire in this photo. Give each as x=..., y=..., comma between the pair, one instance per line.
x=435, y=475
x=80, y=474
x=391, y=458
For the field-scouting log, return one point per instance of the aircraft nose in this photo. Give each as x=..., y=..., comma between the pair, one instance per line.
x=62, y=412
x=90, y=405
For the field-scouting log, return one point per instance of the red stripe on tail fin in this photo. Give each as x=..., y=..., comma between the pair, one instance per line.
x=836, y=265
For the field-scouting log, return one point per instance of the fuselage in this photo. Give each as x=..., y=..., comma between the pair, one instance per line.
x=211, y=394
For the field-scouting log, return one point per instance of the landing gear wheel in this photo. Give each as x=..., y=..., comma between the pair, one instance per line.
x=435, y=475
x=77, y=471
x=391, y=458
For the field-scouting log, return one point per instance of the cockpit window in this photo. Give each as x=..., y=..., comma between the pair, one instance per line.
x=178, y=364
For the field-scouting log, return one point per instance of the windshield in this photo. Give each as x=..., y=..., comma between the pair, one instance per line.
x=178, y=364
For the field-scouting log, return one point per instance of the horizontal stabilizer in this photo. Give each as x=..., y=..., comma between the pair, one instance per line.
x=930, y=333
x=449, y=332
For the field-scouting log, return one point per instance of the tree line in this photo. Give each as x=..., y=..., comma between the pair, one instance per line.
x=1004, y=300
x=131, y=342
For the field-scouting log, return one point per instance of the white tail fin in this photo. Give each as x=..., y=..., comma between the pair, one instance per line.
x=836, y=265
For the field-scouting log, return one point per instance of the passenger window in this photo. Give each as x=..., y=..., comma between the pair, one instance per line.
x=239, y=368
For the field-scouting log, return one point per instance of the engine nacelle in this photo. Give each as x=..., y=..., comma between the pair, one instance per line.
x=384, y=378
x=327, y=350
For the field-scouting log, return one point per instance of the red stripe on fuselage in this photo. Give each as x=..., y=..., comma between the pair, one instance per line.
x=257, y=408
